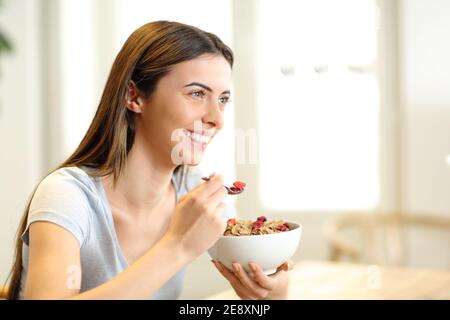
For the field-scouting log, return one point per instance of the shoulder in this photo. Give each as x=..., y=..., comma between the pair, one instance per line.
x=68, y=184
x=66, y=197
x=74, y=176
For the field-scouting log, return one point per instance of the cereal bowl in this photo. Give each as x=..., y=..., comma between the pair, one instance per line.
x=269, y=251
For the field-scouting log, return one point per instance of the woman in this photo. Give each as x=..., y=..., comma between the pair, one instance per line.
x=125, y=213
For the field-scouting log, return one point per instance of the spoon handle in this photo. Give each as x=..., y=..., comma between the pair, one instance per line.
x=229, y=190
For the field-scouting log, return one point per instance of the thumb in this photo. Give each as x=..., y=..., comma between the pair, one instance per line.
x=288, y=265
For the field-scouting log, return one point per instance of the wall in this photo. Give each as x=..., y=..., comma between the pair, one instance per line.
x=424, y=52
x=424, y=78
x=21, y=116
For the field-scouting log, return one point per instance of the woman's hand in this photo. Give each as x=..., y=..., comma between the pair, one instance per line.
x=198, y=222
x=259, y=286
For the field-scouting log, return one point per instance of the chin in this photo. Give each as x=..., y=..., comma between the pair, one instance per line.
x=187, y=158
x=188, y=152
x=194, y=163
x=194, y=160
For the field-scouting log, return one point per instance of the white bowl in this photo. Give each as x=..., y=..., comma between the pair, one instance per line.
x=268, y=250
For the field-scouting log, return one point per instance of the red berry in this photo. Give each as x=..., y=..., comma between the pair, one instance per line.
x=231, y=221
x=257, y=224
x=262, y=218
x=282, y=227
x=234, y=189
x=239, y=184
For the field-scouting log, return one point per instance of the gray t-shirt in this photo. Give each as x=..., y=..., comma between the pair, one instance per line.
x=76, y=201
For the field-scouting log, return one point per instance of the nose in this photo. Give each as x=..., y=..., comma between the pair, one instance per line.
x=214, y=115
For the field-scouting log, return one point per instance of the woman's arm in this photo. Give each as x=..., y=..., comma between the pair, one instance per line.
x=196, y=225
x=55, y=272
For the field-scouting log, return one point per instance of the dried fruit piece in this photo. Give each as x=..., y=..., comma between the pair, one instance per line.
x=283, y=227
x=239, y=184
x=257, y=224
x=262, y=218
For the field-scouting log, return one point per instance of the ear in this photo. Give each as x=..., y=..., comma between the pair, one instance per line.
x=132, y=98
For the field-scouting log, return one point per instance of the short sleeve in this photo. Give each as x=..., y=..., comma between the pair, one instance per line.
x=194, y=178
x=61, y=199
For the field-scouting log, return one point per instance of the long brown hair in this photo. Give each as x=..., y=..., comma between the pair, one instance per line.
x=147, y=55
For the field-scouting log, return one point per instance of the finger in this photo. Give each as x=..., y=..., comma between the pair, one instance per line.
x=210, y=176
x=219, y=214
x=208, y=188
x=241, y=290
x=283, y=267
x=264, y=281
x=217, y=197
x=204, y=190
x=248, y=282
x=290, y=264
x=245, y=295
x=221, y=207
x=234, y=281
x=287, y=266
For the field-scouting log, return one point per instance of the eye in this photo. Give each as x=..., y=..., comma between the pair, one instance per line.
x=198, y=94
x=224, y=100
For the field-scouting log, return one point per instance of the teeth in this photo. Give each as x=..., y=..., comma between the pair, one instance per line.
x=198, y=137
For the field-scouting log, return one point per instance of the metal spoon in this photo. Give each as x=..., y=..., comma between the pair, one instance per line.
x=233, y=192
x=229, y=190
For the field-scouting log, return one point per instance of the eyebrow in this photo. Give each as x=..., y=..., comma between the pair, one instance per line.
x=204, y=86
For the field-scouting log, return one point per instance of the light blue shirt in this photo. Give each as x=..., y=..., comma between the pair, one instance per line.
x=76, y=201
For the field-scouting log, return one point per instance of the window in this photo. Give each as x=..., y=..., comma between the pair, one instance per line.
x=318, y=105
x=77, y=72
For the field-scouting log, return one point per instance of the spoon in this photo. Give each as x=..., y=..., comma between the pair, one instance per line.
x=237, y=188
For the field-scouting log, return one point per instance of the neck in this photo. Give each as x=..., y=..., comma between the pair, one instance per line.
x=143, y=184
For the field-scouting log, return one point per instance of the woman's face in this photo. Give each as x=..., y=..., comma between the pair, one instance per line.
x=186, y=109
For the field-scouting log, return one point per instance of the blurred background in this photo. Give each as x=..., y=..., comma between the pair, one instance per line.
x=340, y=117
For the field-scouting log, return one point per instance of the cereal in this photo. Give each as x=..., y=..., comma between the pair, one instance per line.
x=237, y=187
x=258, y=227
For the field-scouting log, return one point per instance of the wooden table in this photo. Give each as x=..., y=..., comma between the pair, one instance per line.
x=329, y=280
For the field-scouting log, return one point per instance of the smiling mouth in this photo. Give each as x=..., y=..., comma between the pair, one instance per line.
x=198, y=138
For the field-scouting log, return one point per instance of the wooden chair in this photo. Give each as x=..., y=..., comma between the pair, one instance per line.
x=3, y=292
x=375, y=238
